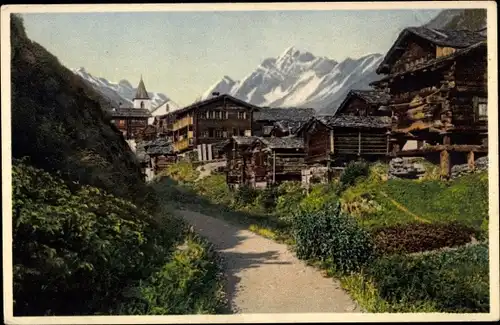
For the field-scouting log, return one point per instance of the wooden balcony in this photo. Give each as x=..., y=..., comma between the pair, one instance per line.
x=181, y=145
x=185, y=122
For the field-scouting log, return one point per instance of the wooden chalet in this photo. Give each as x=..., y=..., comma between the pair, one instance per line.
x=334, y=140
x=274, y=160
x=364, y=103
x=130, y=121
x=149, y=133
x=437, y=82
x=161, y=154
x=237, y=160
x=280, y=121
x=207, y=122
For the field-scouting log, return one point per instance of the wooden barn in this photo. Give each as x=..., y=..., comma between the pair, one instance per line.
x=207, y=122
x=332, y=141
x=437, y=82
x=275, y=160
x=237, y=160
x=280, y=121
x=130, y=121
x=148, y=133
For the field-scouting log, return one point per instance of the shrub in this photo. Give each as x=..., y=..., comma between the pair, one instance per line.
x=353, y=171
x=289, y=196
x=454, y=281
x=190, y=283
x=419, y=237
x=328, y=233
x=246, y=196
x=74, y=251
x=214, y=188
x=182, y=172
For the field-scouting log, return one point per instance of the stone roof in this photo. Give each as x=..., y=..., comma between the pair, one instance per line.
x=159, y=146
x=129, y=112
x=141, y=93
x=440, y=60
x=242, y=140
x=372, y=96
x=449, y=38
x=289, y=126
x=351, y=121
x=282, y=143
x=277, y=114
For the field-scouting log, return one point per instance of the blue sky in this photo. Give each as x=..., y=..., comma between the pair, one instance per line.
x=181, y=54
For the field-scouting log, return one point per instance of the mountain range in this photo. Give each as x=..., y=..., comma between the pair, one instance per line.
x=121, y=92
x=299, y=79
x=295, y=78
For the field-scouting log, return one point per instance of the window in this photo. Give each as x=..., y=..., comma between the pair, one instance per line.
x=248, y=133
x=226, y=115
x=202, y=115
x=218, y=115
x=241, y=132
x=205, y=134
x=218, y=133
x=242, y=115
x=212, y=115
x=207, y=114
x=142, y=104
x=481, y=108
x=121, y=123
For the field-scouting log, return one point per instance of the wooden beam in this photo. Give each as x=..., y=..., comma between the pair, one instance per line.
x=332, y=148
x=445, y=163
x=274, y=166
x=359, y=143
x=470, y=160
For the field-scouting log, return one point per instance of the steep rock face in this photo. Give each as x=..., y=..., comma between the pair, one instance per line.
x=58, y=122
x=299, y=79
x=471, y=19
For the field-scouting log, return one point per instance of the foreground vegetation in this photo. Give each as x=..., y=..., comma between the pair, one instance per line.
x=84, y=251
x=89, y=236
x=391, y=252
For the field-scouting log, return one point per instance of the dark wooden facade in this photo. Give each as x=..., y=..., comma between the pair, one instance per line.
x=208, y=122
x=130, y=121
x=160, y=154
x=334, y=140
x=437, y=82
x=275, y=160
x=237, y=160
x=364, y=103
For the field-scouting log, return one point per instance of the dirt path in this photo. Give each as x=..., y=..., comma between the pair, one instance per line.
x=264, y=277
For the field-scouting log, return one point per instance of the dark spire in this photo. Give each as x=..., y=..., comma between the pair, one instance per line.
x=141, y=93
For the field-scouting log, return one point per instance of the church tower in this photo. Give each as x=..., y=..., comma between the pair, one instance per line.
x=141, y=99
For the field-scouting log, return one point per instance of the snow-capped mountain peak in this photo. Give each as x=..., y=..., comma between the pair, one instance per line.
x=301, y=79
x=121, y=93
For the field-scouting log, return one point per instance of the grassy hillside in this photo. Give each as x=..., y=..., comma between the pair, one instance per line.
x=58, y=122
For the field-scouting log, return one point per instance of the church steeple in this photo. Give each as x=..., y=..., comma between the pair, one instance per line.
x=141, y=93
x=141, y=99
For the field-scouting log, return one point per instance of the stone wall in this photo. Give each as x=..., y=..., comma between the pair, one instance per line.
x=314, y=174
x=411, y=168
x=414, y=168
x=481, y=164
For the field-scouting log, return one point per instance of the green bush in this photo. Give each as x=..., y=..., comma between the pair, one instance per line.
x=330, y=234
x=182, y=172
x=214, y=188
x=453, y=281
x=353, y=171
x=419, y=237
x=290, y=194
x=190, y=283
x=74, y=251
x=246, y=196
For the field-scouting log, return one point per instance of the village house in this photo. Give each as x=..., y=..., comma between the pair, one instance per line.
x=275, y=160
x=334, y=140
x=364, y=103
x=280, y=121
x=131, y=120
x=205, y=123
x=237, y=159
x=437, y=82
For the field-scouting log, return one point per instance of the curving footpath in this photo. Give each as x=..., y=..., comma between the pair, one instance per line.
x=264, y=277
